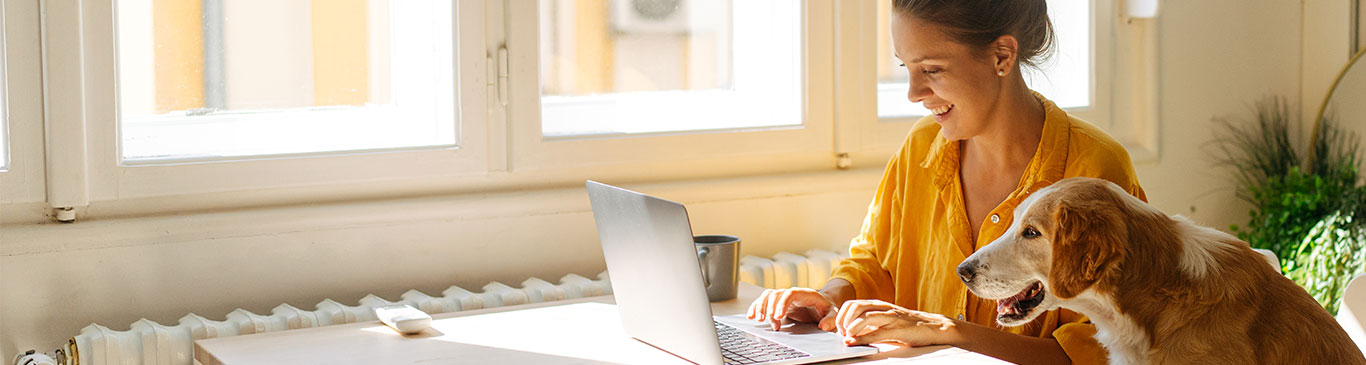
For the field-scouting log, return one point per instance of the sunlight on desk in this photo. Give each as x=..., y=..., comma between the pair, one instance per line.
x=895, y=354
x=576, y=331
x=592, y=332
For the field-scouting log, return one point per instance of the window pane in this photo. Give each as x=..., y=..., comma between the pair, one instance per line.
x=1065, y=78
x=4, y=140
x=205, y=79
x=647, y=66
x=4, y=120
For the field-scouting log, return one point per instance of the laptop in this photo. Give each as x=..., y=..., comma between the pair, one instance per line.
x=657, y=282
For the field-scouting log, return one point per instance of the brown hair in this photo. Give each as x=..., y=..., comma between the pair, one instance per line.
x=977, y=23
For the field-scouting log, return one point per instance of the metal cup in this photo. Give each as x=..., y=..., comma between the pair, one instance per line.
x=719, y=256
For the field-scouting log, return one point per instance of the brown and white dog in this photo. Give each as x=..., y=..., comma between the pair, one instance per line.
x=1158, y=288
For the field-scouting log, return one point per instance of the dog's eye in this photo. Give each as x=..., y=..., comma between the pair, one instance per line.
x=1030, y=233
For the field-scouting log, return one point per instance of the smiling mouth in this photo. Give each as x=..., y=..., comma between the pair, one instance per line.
x=942, y=110
x=1018, y=306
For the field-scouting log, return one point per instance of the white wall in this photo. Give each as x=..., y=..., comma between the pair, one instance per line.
x=1217, y=56
x=58, y=278
x=1325, y=49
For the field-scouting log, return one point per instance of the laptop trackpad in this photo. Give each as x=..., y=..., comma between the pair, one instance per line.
x=806, y=337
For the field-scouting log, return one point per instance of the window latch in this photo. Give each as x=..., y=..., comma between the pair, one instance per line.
x=503, y=75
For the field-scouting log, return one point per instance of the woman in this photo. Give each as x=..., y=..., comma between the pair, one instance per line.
x=953, y=186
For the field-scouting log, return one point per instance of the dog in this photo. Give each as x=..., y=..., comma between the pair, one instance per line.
x=1159, y=288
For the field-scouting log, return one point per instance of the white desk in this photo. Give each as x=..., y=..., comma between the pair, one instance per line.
x=582, y=331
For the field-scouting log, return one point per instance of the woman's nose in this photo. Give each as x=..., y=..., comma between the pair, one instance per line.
x=918, y=91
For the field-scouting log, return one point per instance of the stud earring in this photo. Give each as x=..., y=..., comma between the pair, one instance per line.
x=1000, y=72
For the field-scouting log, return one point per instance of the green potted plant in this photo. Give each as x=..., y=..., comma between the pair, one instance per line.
x=1307, y=211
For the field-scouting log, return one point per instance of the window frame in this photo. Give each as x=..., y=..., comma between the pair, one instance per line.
x=353, y=124
x=21, y=50
x=502, y=148
x=106, y=177
x=757, y=150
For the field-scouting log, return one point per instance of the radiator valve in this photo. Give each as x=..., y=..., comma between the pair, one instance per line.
x=843, y=161
x=31, y=357
x=64, y=214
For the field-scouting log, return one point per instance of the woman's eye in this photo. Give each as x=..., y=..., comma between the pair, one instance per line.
x=930, y=71
x=1030, y=233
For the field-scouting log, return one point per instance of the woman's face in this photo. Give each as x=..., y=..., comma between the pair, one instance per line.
x=957, y=83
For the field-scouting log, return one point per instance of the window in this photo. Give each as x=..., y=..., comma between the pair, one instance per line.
x=4, y=116
x=219, y=100
x=304, y=95
x=223, y=79
x=669, y=81
x=4, y=134
x=21, y=107
x=648, y=66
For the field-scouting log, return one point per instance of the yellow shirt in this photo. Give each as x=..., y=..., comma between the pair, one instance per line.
x=917, y=231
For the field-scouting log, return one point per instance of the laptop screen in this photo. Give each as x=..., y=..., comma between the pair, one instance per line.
x=655, y=275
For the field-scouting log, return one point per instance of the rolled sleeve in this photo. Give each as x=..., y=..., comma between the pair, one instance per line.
x=864, y=268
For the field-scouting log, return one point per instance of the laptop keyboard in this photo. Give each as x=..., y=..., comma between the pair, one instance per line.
x=740, y=347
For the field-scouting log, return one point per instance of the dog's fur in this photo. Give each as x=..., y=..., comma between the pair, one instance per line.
x=1158, y=288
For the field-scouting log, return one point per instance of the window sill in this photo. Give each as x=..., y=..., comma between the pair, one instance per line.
x=31, y=236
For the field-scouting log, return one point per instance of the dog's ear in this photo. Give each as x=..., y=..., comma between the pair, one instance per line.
x=1087, y=241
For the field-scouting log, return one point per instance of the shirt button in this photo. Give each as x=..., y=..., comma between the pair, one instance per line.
x=995, y=218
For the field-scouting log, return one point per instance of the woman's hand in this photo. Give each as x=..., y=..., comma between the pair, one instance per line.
x=797, y=304
x=863, y=322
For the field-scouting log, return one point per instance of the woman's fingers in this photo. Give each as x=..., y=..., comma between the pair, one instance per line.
x=870, y=322
x=827, y=323
x=756, y=309
x=780, y=308
x=807, y=298
x=896, y=324
x=773, y=307
x=839, y=319
x=839, y=316
x=853, y=309
x=784, y=301
x=798, y=304
x=885, y=335
x=751, y=314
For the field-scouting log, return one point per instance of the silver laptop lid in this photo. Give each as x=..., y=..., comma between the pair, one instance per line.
x=656, y=279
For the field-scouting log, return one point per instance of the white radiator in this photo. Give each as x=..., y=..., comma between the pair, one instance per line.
x=148, y=342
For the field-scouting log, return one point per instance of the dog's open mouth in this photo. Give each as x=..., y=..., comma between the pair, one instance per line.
x=1017, y=307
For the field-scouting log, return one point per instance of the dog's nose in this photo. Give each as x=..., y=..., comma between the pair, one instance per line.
x=967, y=271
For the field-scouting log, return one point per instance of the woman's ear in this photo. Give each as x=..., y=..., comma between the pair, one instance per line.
x=1087, y=242
x=1005, y=52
